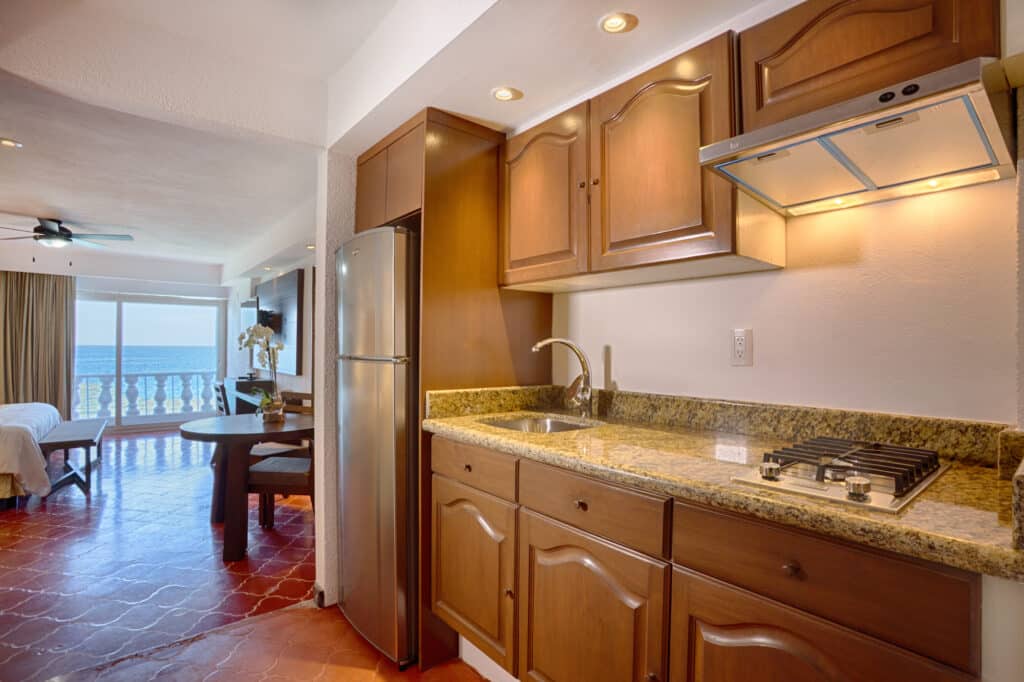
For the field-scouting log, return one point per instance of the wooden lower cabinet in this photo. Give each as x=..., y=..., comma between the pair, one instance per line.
x=473, y=556
x=721, y=633
x=588, y=609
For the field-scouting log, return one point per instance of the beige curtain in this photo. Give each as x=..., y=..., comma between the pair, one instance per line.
x=37, y=339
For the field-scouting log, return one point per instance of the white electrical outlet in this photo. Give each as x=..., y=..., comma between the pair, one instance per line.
x=742, y=347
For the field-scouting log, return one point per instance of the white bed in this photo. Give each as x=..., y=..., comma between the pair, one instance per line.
x=21, y=427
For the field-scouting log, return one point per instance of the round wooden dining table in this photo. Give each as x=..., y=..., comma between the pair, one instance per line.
x=235, y=435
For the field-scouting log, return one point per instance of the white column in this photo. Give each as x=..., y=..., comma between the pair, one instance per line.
x=160, y=397
x=208, y=392
x=106, y=382
x=335, y=222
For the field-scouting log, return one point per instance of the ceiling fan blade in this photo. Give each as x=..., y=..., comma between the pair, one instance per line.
x=87, y=243
x=104, y=237
x=14, y=229
x=7, y=239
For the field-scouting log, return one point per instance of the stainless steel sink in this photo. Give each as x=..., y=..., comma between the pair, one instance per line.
x=538, y=425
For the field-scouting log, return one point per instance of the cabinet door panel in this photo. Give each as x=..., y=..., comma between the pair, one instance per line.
x=650, y=200
x=473, y=554
x=371, y=186
x=590, y=610
x=544, y=200
x=722, y=634
x=826, y=51
x=405, y=174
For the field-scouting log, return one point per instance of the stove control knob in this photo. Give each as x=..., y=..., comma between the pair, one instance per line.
x=770, y=470
x=858, y=487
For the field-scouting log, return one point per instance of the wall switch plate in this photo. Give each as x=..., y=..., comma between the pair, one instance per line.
x=742, y=348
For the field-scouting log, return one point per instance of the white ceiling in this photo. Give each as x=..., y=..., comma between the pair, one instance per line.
x=182, y=193
x=554, y=52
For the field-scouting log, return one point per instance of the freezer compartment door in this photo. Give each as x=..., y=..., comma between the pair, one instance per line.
x=374, y=527
x=373, y=294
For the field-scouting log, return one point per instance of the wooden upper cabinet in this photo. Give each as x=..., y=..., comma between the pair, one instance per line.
x=723, y=634
x=371, y=182
x=473, y=569
x=826, y=51
x=588, y=610
x=650, y=200
x=389, y=178
x=405, y=174
x=544, y=200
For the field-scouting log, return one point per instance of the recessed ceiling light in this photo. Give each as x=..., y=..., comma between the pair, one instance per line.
x=838, y=202
x=618, y=22
x=506, y=94
x=267, y=268
x=8, y=142
x=933, y=183
x=311, y=246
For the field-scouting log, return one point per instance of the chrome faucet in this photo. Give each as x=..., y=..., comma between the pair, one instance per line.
x=578, y=393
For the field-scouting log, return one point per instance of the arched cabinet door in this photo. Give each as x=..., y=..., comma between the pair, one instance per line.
x=589, y=610
x=721, y=633
x=822, y=52
x=473, y=555
x=544, y=200
x=650, y=201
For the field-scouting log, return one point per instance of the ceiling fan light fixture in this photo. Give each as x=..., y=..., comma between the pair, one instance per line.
x=53, y=241
x=10, y=144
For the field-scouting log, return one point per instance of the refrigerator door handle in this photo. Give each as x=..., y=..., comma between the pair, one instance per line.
x=377, y=358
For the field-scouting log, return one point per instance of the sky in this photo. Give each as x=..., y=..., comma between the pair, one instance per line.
x=145, y=324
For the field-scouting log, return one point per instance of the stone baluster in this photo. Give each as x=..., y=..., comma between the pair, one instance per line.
x=160, y=397
x=186, y=392
x=208, y=392
x=106, y=383
x=131, y=395
x=76, y=398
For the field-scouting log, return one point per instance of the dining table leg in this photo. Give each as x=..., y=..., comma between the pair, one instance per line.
x=217, y=496
x=236, y=500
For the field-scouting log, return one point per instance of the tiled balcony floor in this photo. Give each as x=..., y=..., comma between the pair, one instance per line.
x=301, y=643
x=85, y=581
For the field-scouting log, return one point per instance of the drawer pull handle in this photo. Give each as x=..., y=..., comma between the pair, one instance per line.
x=581, y=505
x=468, y=467
x=509, y=593
x=792, y=569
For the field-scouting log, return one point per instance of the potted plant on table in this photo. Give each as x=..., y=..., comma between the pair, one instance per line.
x=261, y=339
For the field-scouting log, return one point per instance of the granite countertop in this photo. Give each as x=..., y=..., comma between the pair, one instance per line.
x=964, y=519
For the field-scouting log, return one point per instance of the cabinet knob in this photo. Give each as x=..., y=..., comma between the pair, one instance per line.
x=792, y=569
x=467, y=467
x=582, y=184
x=509, y=593
x=595, y=181
x=581, y=505
x=653, y=677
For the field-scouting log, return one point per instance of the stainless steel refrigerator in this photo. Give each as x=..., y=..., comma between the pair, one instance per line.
x=378, y=408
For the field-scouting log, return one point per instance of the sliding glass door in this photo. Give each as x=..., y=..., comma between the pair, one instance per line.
x=146, y=360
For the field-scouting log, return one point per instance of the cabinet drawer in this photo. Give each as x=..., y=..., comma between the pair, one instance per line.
x=631, y=518
x=487, y=470
x=926, y=608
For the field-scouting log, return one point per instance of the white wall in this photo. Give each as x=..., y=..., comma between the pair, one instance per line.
x=907, y=306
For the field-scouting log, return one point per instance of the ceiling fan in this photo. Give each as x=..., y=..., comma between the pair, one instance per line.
x=56, y=235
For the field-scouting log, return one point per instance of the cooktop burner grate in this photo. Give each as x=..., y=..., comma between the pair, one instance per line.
x=861, y=473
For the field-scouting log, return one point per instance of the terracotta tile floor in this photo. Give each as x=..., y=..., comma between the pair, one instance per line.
x=300, y=643
x=84, y=581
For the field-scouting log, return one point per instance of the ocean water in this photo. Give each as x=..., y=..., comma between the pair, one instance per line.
x=143, y=394
x=143, y=359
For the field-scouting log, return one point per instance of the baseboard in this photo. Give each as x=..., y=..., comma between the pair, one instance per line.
x=480, y=662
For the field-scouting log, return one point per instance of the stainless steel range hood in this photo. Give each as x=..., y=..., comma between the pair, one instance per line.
x=948, y=129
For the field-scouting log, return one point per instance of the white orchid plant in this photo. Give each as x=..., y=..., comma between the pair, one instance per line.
x=261, y=339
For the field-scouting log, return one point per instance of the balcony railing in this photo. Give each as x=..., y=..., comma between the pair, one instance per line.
x=152, y=394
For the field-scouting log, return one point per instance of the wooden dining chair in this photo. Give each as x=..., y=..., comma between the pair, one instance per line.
x=279, y=476
x=221, y=394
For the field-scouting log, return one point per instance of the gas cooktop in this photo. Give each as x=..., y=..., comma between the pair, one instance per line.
x=870, y=475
